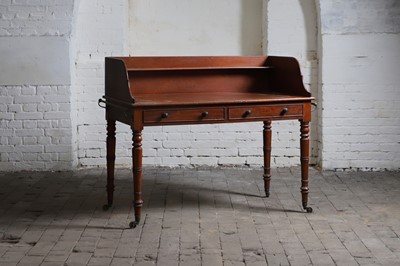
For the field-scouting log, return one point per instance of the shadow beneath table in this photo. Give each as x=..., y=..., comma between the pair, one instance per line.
x=37, y=199
x=194, y=195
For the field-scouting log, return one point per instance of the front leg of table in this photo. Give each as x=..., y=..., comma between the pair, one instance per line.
x=137, y=154
x=267, y=140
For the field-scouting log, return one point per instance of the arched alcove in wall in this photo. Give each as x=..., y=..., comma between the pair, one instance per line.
x=105, y=28
x=73, y=64
x=100, y=30
x=359, y=81
x=291, y=29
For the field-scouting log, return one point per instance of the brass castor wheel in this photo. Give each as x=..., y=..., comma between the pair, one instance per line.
x=308, y=209
x=106, y=207
x=133, y=224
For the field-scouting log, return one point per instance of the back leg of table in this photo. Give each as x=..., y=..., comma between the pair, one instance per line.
x=304, y=159
x=110, y=162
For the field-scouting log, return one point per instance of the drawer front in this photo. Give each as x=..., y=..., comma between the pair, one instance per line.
x=183, y=115
x=261, y=112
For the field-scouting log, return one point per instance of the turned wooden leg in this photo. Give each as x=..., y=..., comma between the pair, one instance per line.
x=110, y=162
x=137, y=175
x=304, y=158
x=267, y=137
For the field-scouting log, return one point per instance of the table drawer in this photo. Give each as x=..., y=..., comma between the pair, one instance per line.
x=183, y=115
x=260, y=112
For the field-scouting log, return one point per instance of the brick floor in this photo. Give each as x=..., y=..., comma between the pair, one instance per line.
x=200, y=217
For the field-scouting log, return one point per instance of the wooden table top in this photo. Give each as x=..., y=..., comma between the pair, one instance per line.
x=216, y=98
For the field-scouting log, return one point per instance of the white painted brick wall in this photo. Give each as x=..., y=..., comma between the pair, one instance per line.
x=35, y=124
x=51, y=125
x=35, y=17
x=35, y=128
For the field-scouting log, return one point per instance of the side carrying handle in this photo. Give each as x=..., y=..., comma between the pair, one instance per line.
x=102, y=101
x=107, y=103
x=315, y=106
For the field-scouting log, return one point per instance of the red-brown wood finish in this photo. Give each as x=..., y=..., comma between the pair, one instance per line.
x=154, y=91
x=267, y=139
x=305, y=154
x=269, y=111
x=183, y=115
x=137, y=153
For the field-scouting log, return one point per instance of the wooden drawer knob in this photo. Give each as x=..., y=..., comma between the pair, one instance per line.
x=284, y=111
x=204, y=114
x=247, y=113
x=164, y=115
